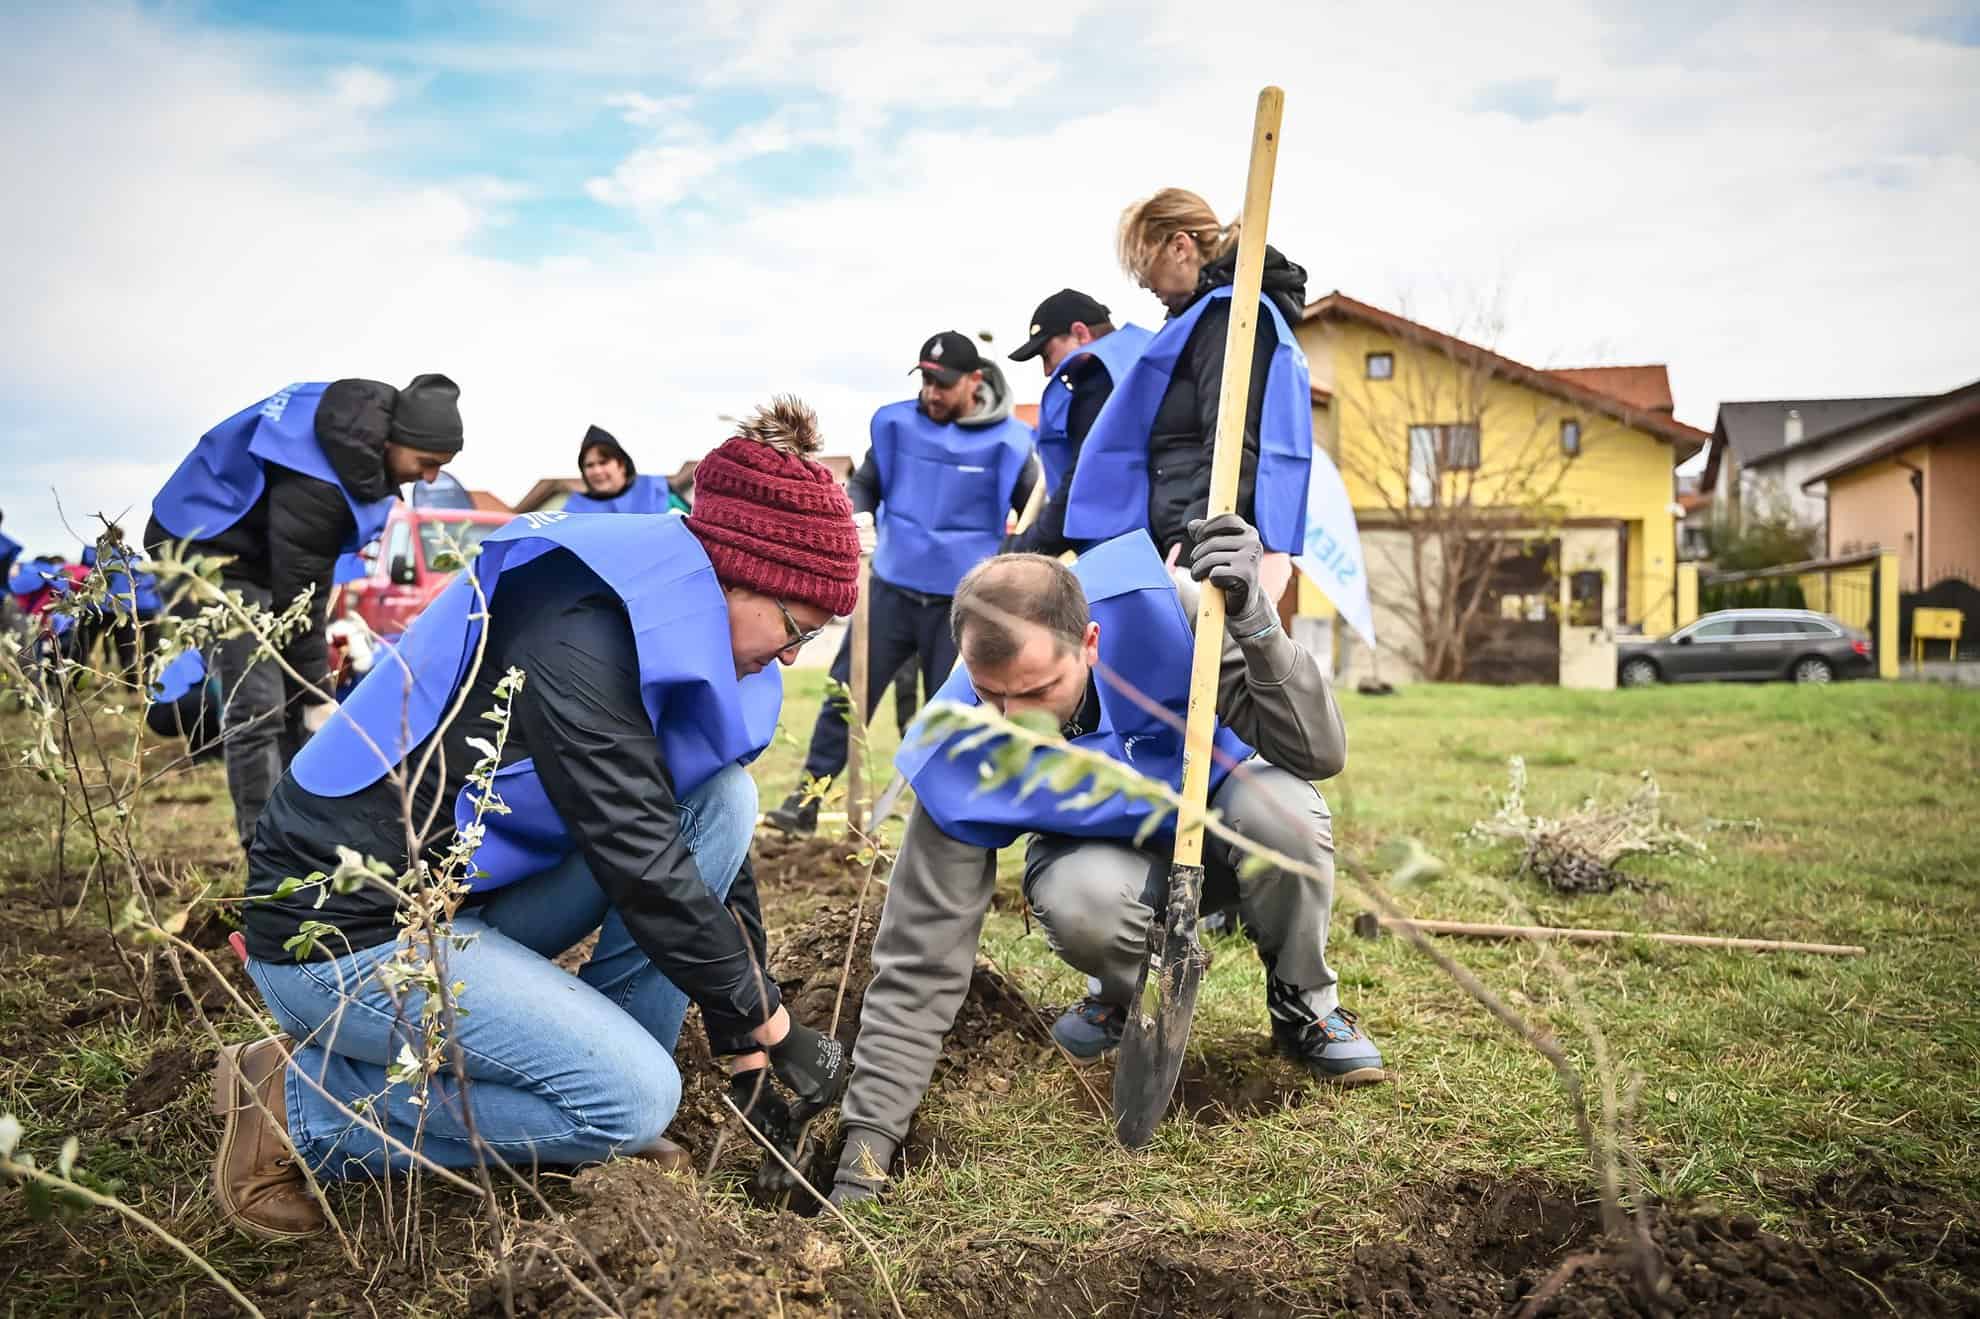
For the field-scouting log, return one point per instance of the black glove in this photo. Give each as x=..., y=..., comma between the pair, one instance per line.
x=813, y=1067
x=755, y=1095
x=1226, y=549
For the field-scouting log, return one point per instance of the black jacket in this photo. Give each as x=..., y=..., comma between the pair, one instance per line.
x=290, y=540
x=580, y=718
x=1092, y=386
x=1185, y=427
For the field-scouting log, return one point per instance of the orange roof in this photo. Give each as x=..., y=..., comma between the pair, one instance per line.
x=1686, y=440
x=1646, y=386
x=1026, y=413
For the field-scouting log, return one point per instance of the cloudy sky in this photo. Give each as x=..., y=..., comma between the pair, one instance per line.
x=650, y=214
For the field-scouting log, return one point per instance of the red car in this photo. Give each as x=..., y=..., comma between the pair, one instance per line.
x=402, y=579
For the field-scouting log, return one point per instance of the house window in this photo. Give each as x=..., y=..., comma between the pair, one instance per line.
x=1422, y=466
x=1460, y=447
x=1571, y=438
x=1585, y=599
x=1381, y=366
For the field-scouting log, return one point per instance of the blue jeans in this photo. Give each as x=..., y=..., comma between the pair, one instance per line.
x=562, y=1069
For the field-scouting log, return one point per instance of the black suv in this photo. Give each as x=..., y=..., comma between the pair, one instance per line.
x=1748, y=645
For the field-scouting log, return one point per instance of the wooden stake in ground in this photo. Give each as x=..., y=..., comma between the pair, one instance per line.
x=1165, y=999
x=856, y=707
x=1368, y=925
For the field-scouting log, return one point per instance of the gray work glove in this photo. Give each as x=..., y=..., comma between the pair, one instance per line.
x=862, y=1167
x=1226, y=549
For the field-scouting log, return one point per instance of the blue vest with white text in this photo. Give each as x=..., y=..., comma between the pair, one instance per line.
x=1110, y=487
x=1145, y=640
x=224, y=475
x=945, y=490
x=704, y=717
x=643, y=494
x=1116, y=353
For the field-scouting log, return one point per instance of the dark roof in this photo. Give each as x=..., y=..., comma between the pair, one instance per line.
x=1916, y=425
x=1757, y=432
x=1686, y=440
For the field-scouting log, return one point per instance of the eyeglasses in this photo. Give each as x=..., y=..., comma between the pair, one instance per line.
x=798, y=636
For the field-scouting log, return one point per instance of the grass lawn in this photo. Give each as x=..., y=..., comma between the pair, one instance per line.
x=1844, y=814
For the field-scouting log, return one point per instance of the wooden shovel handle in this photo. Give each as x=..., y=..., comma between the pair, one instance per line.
x=1226, y=461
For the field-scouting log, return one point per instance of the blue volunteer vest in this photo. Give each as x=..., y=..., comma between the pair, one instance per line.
x=945, y=490
x=10, y=549
x=184, y=674
x=126, y=583
x=1116, y=352
x=1146, y=640
x=31, y=575
x=643, y=494
x=223, y=476
x=1110, y=487
x=703, y=716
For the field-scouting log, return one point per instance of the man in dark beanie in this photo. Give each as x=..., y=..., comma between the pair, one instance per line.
x=652, y=647
x=283, y=489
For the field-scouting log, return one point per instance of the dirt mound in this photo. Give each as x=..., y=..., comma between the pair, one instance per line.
x=1488, y=1248
x=808, y=960
x=821, y=864
x=669, y=1249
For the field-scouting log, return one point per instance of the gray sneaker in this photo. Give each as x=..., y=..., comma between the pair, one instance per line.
x=1334, y=1048
x=1090, y=1030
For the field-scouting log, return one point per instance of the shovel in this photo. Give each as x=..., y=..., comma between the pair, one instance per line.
x=1158, y=1020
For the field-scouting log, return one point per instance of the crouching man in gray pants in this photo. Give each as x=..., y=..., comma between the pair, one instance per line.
x=1094, y=645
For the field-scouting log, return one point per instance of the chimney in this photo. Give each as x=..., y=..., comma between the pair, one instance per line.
x=1791, y=428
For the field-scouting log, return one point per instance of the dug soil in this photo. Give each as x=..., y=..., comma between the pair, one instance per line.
x=1858, y=1247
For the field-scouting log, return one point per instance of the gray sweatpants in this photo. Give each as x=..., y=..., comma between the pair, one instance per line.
x=261, y=726
x=1095, y=898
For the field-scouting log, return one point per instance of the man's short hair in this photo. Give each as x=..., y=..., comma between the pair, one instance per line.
x=1009, y=589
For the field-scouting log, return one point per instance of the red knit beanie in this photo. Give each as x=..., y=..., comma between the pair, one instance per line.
x=771, y=519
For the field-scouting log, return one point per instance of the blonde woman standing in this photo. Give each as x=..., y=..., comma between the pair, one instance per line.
x=1146, y=462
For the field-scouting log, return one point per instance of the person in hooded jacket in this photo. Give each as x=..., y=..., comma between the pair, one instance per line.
x=612, y=483
x=1146, y=459
x=1083, y=355
x=651, y=648
x=944, y=470
x=282, y=490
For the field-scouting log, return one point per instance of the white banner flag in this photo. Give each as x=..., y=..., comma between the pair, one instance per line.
x=1332, y=554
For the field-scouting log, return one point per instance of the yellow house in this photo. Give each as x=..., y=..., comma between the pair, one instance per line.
x=1512, y=519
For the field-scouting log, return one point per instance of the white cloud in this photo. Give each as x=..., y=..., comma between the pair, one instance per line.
x=641, y=110
x=359, y=88
x=1779, y=209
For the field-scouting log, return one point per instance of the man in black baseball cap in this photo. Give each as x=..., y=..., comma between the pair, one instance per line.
x=1063, y=322
x=944, y=469
x=1083, y=357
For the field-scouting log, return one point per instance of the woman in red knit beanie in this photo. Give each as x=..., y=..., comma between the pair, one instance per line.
x=648, y=645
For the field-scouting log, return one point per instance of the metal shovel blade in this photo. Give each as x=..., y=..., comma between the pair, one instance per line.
x=1157, y=1031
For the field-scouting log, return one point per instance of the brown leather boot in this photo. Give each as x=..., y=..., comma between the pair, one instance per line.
x=255, y=1177
x=667, y=1154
